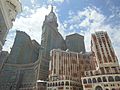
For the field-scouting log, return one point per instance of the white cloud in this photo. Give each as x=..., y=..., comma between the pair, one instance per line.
x=33, y=1
x=31, y=24
x=91, y=19
x=30, y=21
x=56, y=1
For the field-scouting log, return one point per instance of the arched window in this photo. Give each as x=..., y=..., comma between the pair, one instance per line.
x=56, y=84
x=98, y=88
x=59, y=84
x=117, y=78
x=70, y=83
x=104, y=79
x=110, y=79
x=67, y=83
x=48, y=84
x=84, y=81
x=94, y=80
x=53, y=84
x=62, y=83
x=89, y=80
x=99, y=79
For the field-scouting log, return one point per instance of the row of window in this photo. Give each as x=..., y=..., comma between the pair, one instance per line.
x=106, y=85
x=101, y=79
x=100, y=88
x=62, y=84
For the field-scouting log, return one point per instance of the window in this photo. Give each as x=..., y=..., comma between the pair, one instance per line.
x=117, y=78
x=99, y=79
x=98, y=88
x=102, y=70
x=67, y=83
x=56, y=84
x=62, y=83
x=84, y=81
x=59, y=84
x=94, y=80
x=53, y=84
x=89, y=80
x=104, y=79
x=48, y=84
x=110, y=79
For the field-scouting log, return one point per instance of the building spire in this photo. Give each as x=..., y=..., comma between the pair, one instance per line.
x=51, y=8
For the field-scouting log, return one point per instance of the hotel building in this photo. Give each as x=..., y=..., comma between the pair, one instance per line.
x=107, y=73
x=66, y=69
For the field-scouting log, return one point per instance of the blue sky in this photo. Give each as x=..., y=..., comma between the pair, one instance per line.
x=74, y=16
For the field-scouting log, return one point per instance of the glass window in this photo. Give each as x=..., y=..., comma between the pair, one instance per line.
x=98, y=88
x=67, y=83
x=104, y=79
x=89, y=80
x=117, y=78
x=110, y=79
x=99, y=79
x=84, y=81
x=94, y=80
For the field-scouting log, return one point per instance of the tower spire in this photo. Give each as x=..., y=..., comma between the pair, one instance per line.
x=52, y=6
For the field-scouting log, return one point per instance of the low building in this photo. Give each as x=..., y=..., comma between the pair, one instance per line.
x=66, y=69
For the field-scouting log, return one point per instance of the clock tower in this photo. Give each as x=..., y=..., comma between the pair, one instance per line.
x=50, y=39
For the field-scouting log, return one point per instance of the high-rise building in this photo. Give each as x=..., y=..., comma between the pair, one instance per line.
x=19, y=69
x=22, y=48
x=107, y=73
x=51, y=39
x=66, y=69
x=8, y=11
x=75, y=43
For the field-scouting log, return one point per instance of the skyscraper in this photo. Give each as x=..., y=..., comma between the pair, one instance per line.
x=18, y=70
x=51, y=39
x=8, y=11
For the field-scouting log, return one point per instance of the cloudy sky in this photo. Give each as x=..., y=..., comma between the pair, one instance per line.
x=74, y=16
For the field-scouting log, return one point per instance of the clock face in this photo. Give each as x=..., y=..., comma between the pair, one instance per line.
x=98, y=88
x=51, y=17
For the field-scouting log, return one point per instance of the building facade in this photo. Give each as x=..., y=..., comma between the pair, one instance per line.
x=66, y=69
x=8, y=11
x=19, y=69
x=75, y=43
x=107, y=73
